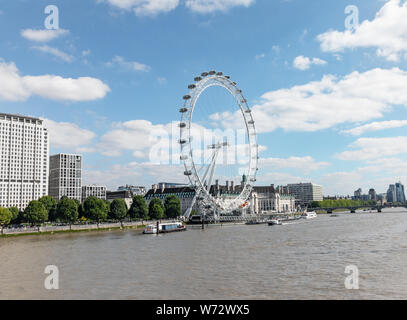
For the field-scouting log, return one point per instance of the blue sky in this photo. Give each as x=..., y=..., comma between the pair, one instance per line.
x=330, y=103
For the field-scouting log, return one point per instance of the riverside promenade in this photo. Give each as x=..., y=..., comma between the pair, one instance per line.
x=79, y=227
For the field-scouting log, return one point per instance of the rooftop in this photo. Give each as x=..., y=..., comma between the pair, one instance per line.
x=19, y=116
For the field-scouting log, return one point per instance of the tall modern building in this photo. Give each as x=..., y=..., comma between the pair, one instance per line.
x=24, y=145
x=65, y=176
x=391, y=193
x=304, y=193
x=401, y=196
x=373, y=194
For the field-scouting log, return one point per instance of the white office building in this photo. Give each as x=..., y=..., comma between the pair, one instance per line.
x=24, y=146
x=93, y=191
x=65, y=176
x=304, y=193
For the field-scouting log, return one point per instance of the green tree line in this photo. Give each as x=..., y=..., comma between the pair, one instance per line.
x=341, y=203
x=93, y=209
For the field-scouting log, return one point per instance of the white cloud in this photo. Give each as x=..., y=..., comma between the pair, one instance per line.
x=260, y=56
x=129, y=65
x=134, y=173
x=42, y=35
x=318, y=105
x=342, y=183
x=154, y=7
x=208, y=6
x=374, y=148
x=55, y=52
x=144, y=7
x=305, y=164
x=304, y=63
x=278, y=178
x=15, y=87
x=69, y=136
x=389, y=166
x=376, y=126
x=387, y=32
x=135, y=135
x=86, y=53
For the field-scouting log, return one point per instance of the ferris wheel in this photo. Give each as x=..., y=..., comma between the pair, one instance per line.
x=215, y=103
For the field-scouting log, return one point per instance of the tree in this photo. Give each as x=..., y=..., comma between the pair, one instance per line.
x=139, y=209
x=156, y=209
x=5, y=218
x=14, y=214
x=118, y=210
x=172, y=207
x=67, y=210
x=81, y=211
x=50, y=205
x=95, y=209
x=35, y=213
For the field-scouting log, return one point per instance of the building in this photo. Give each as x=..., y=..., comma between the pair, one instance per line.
x=372, y=194
x=126, y=195
x=172, y=185
x=24, y=162
x=267, y=199
x=401, y=196
x=263, y=199
x=93, y=191
x=305, y=193
x=382, y=198
x=136, y=190
x=358, y=194
x=391, y=194
x=65, y=176
x=184, y=194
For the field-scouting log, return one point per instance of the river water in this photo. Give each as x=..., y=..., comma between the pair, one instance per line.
x=302, y=260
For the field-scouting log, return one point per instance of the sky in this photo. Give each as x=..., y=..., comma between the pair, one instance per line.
x=326, y=82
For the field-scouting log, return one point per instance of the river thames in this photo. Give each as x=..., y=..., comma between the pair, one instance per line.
x=301, y=260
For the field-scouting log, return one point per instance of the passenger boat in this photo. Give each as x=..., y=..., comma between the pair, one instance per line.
x=274, y=222
x=164, y=228
x=309, y=215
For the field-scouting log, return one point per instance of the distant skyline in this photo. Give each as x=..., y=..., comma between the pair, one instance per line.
x=330, y=104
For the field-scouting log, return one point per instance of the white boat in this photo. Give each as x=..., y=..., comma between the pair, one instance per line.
x=150, y=229
x=164, y=228
x=274, y=222
x=309, y=215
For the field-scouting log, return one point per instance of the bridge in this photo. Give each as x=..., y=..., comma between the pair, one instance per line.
x=353, y=209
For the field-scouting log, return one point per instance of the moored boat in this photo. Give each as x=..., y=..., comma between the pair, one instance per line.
x=164, y=228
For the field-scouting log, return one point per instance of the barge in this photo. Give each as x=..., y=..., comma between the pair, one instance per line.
x=164, y=228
